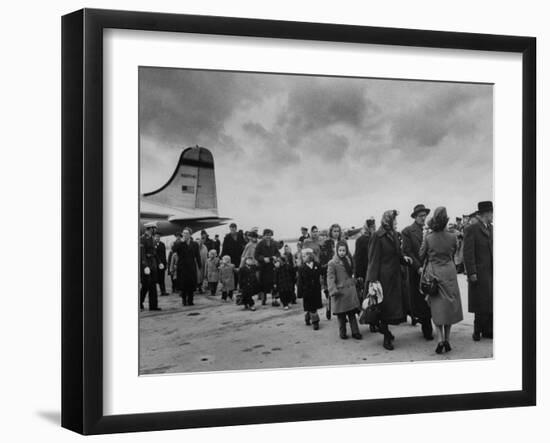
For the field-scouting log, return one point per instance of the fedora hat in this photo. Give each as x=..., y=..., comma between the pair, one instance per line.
x=486, y=206
x=419, y=208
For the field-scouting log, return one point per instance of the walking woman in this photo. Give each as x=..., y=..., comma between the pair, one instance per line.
x=341, y=287
x=385, y=259
x=439, y=247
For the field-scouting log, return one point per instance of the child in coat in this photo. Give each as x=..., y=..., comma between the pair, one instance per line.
x=248, y=282
x=310, y=283
x=212, y=272
x=227, y=277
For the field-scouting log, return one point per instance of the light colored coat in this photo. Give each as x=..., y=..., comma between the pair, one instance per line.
x=212, y=272
x=341, y=287
x=249, y=251
x=227, y=276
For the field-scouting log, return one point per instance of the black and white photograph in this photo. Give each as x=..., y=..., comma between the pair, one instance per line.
x=295, y=221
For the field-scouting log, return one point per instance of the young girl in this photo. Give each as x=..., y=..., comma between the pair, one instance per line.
x=342, y=289
x=284, y=281
x=212, y=272
x=227, y=277
x=310, y=283
x=248, y=282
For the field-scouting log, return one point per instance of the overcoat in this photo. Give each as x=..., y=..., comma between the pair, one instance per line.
x=248, y=281
x=233, y=246
x=227, y=276
x=478, y=259
x=248, y=251
x=284, y=278
x=385, y=259
x=341, y=287
x=412, y=241
x=361, y=256
x=148, y=258
x=188, y=262
x=266, y=250
x=310, y=284
x=160, y=250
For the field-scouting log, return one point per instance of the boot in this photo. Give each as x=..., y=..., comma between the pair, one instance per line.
x=354, y=327
x=307, y=318
x=315, y=320
x=387, y=336
x=342, y=326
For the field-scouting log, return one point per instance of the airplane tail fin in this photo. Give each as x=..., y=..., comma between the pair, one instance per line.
x=192, y=185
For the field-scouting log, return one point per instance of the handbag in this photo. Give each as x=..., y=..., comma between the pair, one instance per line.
x=428, y=284
x=371, y=307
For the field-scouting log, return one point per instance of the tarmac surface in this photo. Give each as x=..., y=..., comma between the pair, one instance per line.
x=214, y=335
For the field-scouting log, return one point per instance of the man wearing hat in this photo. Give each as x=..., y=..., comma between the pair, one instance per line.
x=478, y=263
x=148, y=269
x=304, y=235
x=412, y=240
x=266, y=251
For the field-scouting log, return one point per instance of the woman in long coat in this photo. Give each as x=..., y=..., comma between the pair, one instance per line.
x=342, y=289
x=385, y=259
x=439, y=246
x=189, y=260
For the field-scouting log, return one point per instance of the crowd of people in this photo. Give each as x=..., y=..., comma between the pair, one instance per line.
x=392, y=275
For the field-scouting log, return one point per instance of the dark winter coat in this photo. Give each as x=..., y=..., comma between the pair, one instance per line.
x=189, y=260
x=310, y=284
x=478, y=259
x=385, y=259
x=412, y=241
x=284, y=278
x=233, y=247
x=361, y=256
x=248, y=280
x=265, y=250
x=148, y=259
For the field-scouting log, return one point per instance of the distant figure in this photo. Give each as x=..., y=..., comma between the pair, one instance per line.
x=439, y=246
x=412, y=241
x=342, y=290
x=313, y=243
x=250, y=248
x=160, y=251
x=249, y=283
x=385, y=259
x=310, y=283
x=266, y=251
x=283, y=282
x=361, y=255
x=207, y=241
x=189, y=260
x=227, y=277
x=212, y=271
x=478, y=263
x=148, y=270
x=304, y=235
x=217, y=243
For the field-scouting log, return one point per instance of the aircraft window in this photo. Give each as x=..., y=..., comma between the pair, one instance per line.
x=186, y=188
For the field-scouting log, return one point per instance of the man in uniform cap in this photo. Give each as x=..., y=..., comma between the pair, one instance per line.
x=412, y=240
x=478, y=263
x=148, y=269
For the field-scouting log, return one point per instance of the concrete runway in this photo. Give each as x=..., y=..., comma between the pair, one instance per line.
x=218, y=336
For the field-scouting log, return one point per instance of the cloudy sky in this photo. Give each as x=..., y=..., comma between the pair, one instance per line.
x=300, y=150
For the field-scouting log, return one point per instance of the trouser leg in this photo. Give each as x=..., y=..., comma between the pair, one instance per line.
x=142, y=293
x=427, y=328
x=153, y=300
x=478, y=323
x=162, y=278
x=342, y=325
x=314, y=319
x=352, y=318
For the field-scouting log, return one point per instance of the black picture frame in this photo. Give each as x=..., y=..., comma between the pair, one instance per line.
x=82, y=220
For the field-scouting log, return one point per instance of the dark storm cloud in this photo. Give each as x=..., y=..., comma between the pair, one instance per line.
x=184, y=107
x=318, y=103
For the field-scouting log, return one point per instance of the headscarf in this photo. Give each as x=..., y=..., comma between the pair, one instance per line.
x=346, y=260
x=439, y=220
x=387, y=219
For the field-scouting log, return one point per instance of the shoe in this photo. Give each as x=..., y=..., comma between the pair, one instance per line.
x=439, y=348
x=428, y=337
x=387, y=343
x=357, y=336
x=343, y=336
x=286, y=308
x=476, y=336
x=316, y=326
x=155, y=309
x=447, y=346
x=252, y=308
